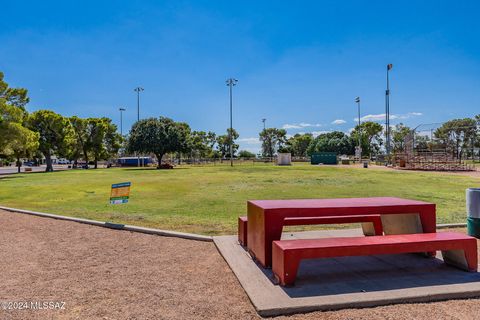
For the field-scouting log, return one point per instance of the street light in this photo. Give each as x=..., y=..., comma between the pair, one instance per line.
x=359, y=148
x=387, y=113
x=263, y=120
x=121, y=120
x=138, y=90
x=230, y=83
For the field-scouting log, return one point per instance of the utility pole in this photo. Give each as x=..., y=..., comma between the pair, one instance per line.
x=263, y=120
x=138, y=90
x=230, y=83
x=121, y=120
x=359, y=133
x=387, y=113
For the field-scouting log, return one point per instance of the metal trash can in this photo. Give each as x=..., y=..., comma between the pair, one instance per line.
x=365, y=164
x=473, y=212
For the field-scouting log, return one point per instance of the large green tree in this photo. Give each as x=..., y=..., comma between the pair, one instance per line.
x=17, y=97
x=12, y=119
x=399, y=133
x=223, y=143
x=201, y=144
x=299, y=143
x=272, y=139
x=23, y=143
x=16, y=140
x=457, y=135
x=104, y=139
x=246, y=154
x=335, y=141
x=95, y=138
x=56, y=135
x=158, y=136
x=371, y=137
x=81, y=145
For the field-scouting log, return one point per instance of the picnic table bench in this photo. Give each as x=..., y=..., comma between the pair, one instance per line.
x=266, y=218
x=458, y=249
x=374, y=219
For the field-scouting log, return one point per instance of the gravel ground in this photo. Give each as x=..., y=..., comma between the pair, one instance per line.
x=106, y=274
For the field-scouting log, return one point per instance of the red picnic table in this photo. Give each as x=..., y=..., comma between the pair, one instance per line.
x=399, y=216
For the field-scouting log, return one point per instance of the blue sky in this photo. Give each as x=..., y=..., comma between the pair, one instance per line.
x=300, y=64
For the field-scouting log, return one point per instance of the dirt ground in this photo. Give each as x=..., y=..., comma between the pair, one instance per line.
x=473, y=174
x=107, y=274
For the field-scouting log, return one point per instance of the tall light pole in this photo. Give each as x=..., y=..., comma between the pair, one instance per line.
x=387, y=113
x=359, y=133
x=263, y=120
x=230, y=83
x=121, y=119
x=138, y=90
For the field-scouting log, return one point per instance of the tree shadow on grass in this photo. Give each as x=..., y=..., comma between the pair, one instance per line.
x=154, y=169
x=10, y=177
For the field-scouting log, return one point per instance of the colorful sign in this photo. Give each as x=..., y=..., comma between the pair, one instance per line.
x=120, y=193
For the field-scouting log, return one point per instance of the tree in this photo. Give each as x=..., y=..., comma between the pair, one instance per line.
x=17, y=97
x=399, y=133
x=335, y=141
x=201, y=144
x=371, y=136
x=223, y=143
x=158, y=136
x=458, y=135
x=56, y=135
x=272, y=139
x=23, y=143
x=211, y=139
x=81, y=145
x=96, y=138
x=12, y=118
x=246, y=154
x=299, y=143
x=104, y=139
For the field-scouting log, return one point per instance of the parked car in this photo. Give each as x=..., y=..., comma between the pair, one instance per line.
x=63, y=161
x=29, y=163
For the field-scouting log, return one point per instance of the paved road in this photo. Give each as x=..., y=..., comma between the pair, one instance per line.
x=10, y=170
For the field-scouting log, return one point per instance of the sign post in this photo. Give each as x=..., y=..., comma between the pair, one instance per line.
x=120, y=193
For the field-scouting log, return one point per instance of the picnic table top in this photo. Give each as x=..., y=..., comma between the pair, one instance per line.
x=336, y=203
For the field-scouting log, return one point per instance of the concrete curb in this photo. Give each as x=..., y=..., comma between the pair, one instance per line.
x=126, y=227
x=451, y=225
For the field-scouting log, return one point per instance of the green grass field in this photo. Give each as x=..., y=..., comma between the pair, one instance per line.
x=208, y=199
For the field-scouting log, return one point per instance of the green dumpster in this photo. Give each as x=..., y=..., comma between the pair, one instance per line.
x=324, y=158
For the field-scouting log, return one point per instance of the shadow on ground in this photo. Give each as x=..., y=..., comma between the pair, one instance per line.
x=324, y=277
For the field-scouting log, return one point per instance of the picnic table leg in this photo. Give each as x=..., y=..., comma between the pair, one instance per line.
x=274, y=233
x=259, y=237
x=466, y=259
x=428, y=217
x=285, y=266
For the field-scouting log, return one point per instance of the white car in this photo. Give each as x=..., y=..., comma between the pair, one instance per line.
x=63, y=161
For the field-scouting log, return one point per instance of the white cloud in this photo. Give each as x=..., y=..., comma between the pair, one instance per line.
x=249, y=140
x=381, y=116
x=300, y=125
x=291, y=126
x=305, y=125
x=339, y=121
